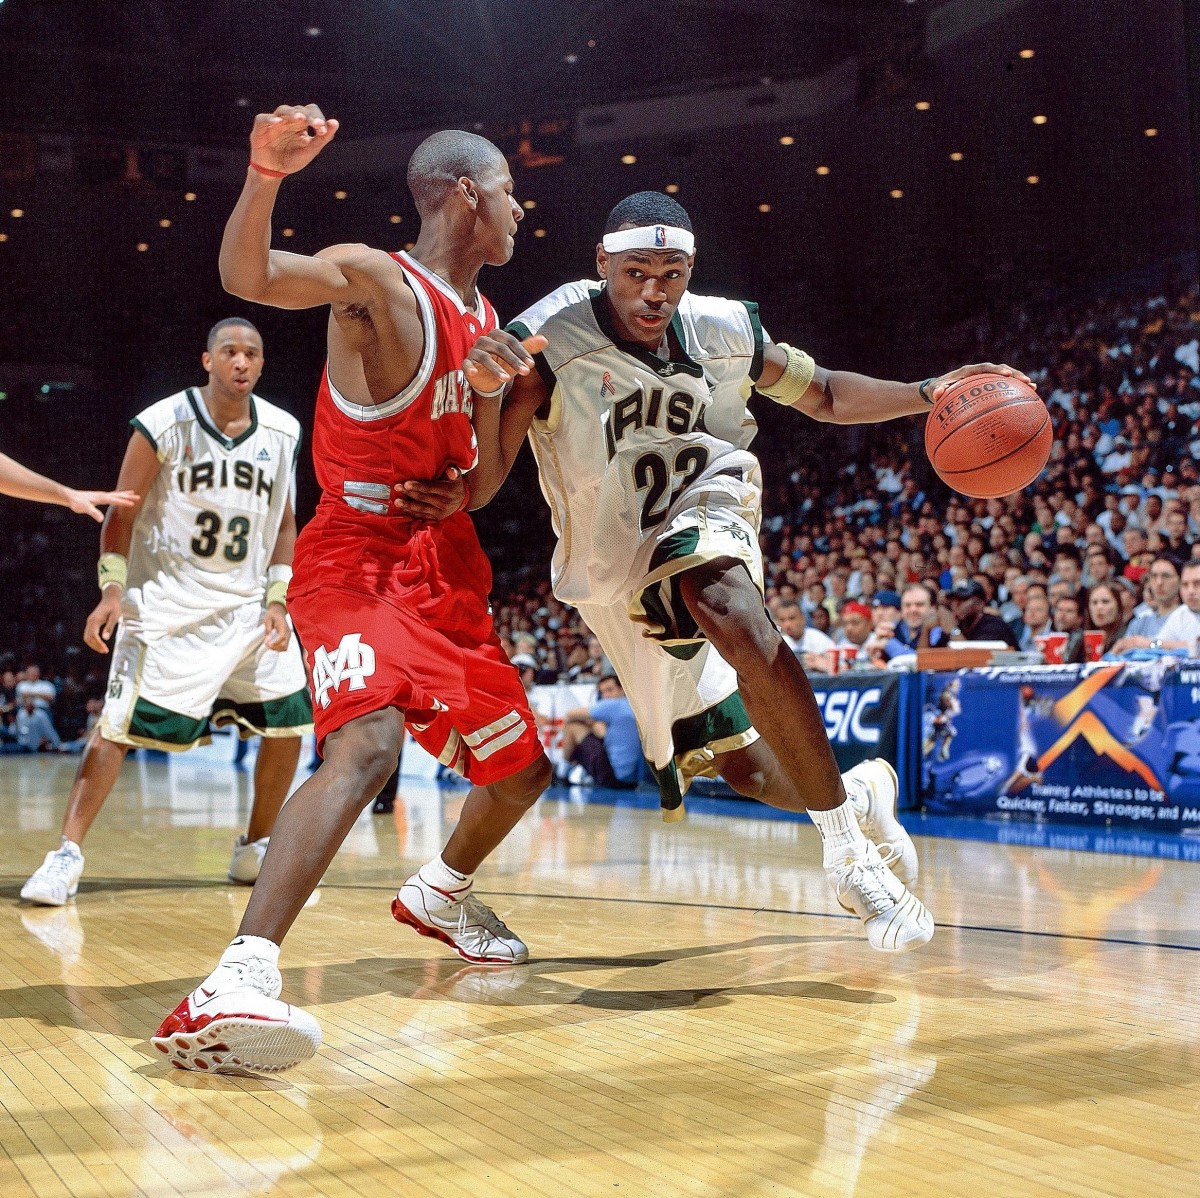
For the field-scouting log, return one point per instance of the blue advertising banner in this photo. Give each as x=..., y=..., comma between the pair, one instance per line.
x=1099, y=743
x=861, y=713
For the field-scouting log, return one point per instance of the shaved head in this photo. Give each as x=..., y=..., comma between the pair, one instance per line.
x=442, y=159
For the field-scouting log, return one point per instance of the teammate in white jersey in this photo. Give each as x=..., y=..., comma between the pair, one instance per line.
x=633, y=394
x=196, y=575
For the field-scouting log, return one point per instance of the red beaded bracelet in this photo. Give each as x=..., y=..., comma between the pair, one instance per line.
x=266, y=170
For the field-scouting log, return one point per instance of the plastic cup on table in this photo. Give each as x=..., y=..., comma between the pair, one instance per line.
x=1052, y=646
x=1094, y=643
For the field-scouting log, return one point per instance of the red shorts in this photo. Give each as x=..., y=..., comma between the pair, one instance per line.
x=403, y=622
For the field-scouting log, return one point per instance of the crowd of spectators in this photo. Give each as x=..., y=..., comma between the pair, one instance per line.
x=866, y=549
x=34, y=711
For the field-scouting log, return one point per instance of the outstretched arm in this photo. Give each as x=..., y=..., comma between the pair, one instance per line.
x=21, y=483
x=282, y=143
x=842, y=397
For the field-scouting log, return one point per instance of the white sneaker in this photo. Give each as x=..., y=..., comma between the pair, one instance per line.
x=233, y=1022
x=57, y=879
x=895, y=919
x=876, y=781
x=247, y=859
x=469, y=927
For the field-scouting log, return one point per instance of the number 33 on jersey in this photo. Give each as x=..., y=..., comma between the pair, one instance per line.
x=207, y=529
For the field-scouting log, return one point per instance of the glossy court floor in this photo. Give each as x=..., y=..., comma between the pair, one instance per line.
x=698, y=1019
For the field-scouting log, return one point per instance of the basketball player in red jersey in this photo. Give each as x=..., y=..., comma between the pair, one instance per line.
x=392, y=610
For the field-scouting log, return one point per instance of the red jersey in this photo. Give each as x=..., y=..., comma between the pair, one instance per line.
x=361, y=451
x=393, y=612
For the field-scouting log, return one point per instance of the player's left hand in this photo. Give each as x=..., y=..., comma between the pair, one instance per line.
x=431, y=499
x=277, y=633
x=89, y=503
x=936, y=389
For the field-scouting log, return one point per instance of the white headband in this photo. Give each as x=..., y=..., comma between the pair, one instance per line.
x=650, y=237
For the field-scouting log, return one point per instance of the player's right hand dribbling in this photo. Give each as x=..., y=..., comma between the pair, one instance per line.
x=103, y=621
x=497, y=358
x=289, y=138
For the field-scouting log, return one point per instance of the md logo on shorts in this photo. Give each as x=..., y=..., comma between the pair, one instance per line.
x=351, y=659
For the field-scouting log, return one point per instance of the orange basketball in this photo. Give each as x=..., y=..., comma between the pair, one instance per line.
x=989, y=435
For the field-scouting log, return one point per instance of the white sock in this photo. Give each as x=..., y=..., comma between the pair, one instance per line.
x=839, y=830
x=71, y=847
x=245, y=948
x=450, y=882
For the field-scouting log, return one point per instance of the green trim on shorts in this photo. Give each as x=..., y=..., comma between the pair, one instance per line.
x=719, y=722
x=151, y=722
x=285, y=716
x=756, y=362
x=670, y=796
x=678, y=544
x=664, y=606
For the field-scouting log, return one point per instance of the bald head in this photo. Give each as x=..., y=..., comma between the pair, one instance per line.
x=442, y=159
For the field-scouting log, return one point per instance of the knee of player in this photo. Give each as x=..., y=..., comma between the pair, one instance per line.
x=750, y=783
x=368, y=750
x=526, y=787
x=731, y=611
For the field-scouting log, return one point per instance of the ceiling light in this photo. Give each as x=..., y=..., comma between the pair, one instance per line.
x=896, y=193
x=189, y=196
x=313, y=31
x=764, y=207
x=393, y=219
x=591, y=43
x=529, y=205
x=289, y=232
x=787, y=140
x=3, y=236
x=242, y=102
x=822, y=170
x=142, y=247
x=1026, y=53
x=164, y=223
x=339, y=195
x=1032, y=179
x=671, y=189
x=539, y=232
x=628, y=159
x=956, y=155
x=1040, y=119
x=571, y=58
x=1152, y=132
x=17, y=213
x=922, y=106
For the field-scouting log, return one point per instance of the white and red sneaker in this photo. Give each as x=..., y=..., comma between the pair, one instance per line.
x=460, y=920
x=233, y=1022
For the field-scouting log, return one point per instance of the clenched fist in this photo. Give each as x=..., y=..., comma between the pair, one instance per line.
x=289, y=138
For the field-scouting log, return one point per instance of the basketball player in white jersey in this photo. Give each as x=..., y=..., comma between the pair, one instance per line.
x=196, y=575
x=633, y=394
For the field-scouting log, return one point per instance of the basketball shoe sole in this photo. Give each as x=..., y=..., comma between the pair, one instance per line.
x=238, y=1032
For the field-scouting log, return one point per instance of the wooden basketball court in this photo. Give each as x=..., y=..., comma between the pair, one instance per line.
x=699, y=1017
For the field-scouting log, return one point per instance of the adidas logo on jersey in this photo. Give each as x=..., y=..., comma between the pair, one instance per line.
x=352, y=660
x=263, y=455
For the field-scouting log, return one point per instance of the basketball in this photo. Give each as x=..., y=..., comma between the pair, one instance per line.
x=989, y=435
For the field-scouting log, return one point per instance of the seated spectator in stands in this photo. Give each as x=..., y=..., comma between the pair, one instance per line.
x=1149, y=617
x=819, y=619
x=919, y=627
x=1036, y=621
x=41, y=689
x=94, y=708
x=810, y=646
x=856, y=631
x=1174, y=534
x=1105, y=615
x=604, y=738
x=1097, y=566
x=1068, y=567
x=1182, y=627
x=1068, y=618
x=968, y=600
x=35, y=730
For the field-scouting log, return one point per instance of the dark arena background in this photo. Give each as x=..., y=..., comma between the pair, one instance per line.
x=903, y=188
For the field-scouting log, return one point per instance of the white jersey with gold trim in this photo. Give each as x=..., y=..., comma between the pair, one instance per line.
x=207, y=529
x=630, y=436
